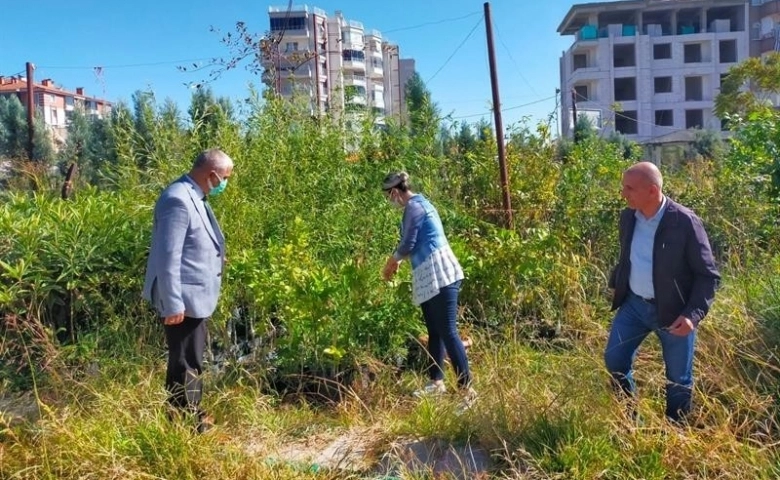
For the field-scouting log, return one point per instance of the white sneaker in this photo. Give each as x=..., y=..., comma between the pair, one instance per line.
x=430, y=388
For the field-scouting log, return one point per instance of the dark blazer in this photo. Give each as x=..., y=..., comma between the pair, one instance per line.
x=684, y=273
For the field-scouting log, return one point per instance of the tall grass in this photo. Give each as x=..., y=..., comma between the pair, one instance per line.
x=307, y=233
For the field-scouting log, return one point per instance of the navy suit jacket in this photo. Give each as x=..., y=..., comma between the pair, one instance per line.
x=684, y=273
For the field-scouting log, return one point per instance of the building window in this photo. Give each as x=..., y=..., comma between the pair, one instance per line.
x=692, y=53
x=662, y=51
x=623, y=56
x=288, y=23
x=291, y=47
x=694, y=118
x=580, y=61
x=353, y=56
x=625, y=122
x=694, y=88
x=728, y=51
x=68, y=101
x=663, y=84
x=625, y=89
x=581, y=93
x=664, y=118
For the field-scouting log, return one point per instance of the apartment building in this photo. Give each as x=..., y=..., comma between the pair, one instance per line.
x=337, y=63
x=54, y=103
x=651, y=69
x=765, y=21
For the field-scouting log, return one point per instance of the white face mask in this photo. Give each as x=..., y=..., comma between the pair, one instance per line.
x=396, y=202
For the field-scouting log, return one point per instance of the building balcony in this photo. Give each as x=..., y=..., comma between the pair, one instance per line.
x=770, y=7
x=355, y=79
x=293, y=33
x=768, y=44
x=359, y=65
x=302, y=72
x=356, y=101
x=582, y=75
x=347, y=45
x=374, y=71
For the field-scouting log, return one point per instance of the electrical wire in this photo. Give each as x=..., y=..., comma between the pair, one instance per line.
x=437, y=22
x=133, y=65
x=505, y=109
x=457, y=49
x=509, y=52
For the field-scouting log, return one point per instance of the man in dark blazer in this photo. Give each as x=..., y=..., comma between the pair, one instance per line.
x=664, y=282
x=184, y=274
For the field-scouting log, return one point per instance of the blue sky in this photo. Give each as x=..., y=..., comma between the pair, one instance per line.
x=138, y=44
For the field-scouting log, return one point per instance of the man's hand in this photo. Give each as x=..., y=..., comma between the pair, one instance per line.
x=174, y=319
x=682, y=326
x=391, y=267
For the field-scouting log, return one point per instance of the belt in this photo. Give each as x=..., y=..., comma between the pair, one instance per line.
x=651, y=301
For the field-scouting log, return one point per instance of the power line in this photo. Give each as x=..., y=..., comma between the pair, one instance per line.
x=437, y=22
x=286, y=21
x=134, y=65
x=671, y=129
x=456, y=50
x=174, y=62
x=529, y=104
x=505, y=109
x=519, y=70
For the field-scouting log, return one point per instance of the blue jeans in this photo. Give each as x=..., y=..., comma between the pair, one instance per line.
x=440, y=314
x=634, y=320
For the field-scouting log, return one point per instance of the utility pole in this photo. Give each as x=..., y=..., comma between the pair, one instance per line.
x=574, y=109
x=30, y=111
x=558, y=105
x=497, y=114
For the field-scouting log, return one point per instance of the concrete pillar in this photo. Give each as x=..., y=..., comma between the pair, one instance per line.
x=703, y=20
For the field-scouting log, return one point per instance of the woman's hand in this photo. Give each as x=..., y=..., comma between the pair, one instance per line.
x=391, y=267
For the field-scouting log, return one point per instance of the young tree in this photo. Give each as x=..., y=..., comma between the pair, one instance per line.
x=760, y=76
x=13, y=128
x=424, y=116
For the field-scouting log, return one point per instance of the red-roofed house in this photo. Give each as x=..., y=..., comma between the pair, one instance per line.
x=54, y=103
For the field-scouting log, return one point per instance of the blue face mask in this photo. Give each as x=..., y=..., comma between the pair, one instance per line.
x=219, y=188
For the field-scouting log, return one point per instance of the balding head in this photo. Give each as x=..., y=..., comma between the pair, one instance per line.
x=213, y=159
x=642, y=184
x=210, y=168
x=648, y=172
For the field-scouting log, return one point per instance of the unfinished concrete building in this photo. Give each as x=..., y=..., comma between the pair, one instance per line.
x=651, y=69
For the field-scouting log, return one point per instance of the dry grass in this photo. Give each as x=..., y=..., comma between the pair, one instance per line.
x=543, y=412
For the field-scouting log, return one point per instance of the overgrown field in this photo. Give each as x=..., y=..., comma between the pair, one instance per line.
x=309, y=343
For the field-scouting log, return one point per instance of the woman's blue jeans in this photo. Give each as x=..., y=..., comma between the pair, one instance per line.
x=441, y=314
x=635, y=319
